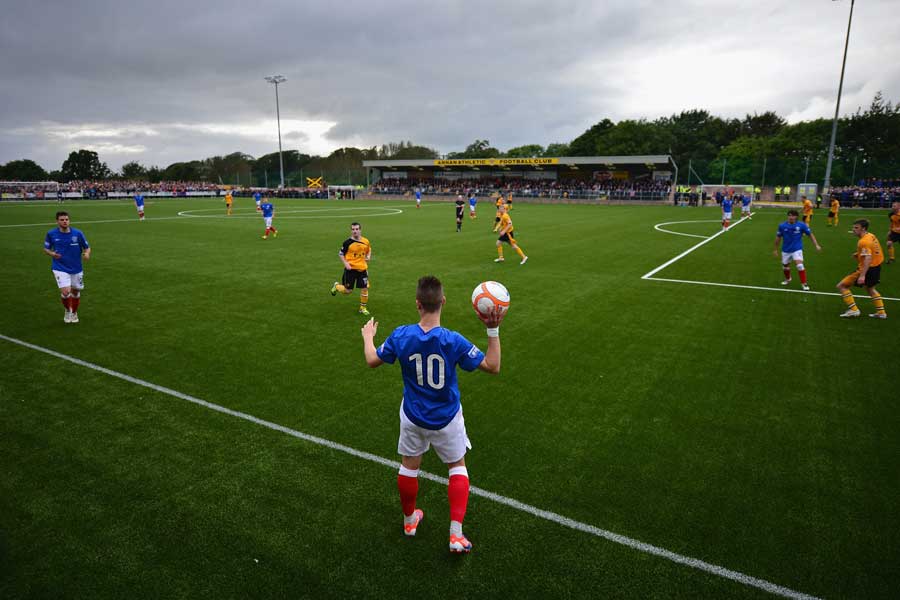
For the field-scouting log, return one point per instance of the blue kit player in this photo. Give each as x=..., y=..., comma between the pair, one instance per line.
x=139, y=204
x=431, y=413
x=268, y=212
x=745, y=206
x=67, y=246
x=418, y=198
x=258, y=198
x=726, y=212
x=473, y=200
x=790, y=235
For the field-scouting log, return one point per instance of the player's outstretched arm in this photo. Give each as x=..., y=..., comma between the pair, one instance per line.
x=368, y=334
x=815, y=241
x=492, y=320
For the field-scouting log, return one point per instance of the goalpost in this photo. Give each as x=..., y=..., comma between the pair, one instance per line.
x=28, y=190
x=342, y=192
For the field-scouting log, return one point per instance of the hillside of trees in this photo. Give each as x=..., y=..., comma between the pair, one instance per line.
x=705, y=147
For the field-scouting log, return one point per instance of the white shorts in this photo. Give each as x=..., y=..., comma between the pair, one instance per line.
x=471, y=209
x=140, y=207
x=268, y=221
x=450, y=443
x=726, y=215
x=745, y=209
x=257, y=203
x=787, y=257
x=69, y=280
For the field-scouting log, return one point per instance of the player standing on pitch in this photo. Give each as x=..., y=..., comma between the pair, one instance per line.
x=431, y=413
x=790, y=235
x=268, y=213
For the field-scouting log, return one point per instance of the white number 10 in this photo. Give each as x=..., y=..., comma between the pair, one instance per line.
x=434, y=364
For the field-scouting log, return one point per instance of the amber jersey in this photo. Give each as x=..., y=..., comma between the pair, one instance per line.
x=356, y=252
x=505, y=221
x=868, y=245
x=895, y=222
x=835, y=206
x=807, y=208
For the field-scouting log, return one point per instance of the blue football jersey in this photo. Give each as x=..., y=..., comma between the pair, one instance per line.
x=726, y=205
x=428, y=362
x=267, y=209
x=792, y=235
x=418, y=195
x=745, y=200
x=138, y=200
x=70, y=246
x=257, y=196
x=473, y=201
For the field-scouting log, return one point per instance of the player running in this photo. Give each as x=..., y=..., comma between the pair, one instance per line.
x=790, y=235
x=229, y=201
x=67, y=246
x=893, y=236
x=355, y=254
x=139, y=205
x=418, y=198
x=499, y=205
x=833, y=212
x=268, y=213
x=431, y=413
x=258, y=198
x=506, y=235
x=868, y=273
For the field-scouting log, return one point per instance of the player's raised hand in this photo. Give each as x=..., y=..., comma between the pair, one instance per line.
x=370, y=329
x=493, y=318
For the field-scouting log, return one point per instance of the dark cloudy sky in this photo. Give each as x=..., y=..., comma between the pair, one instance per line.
x=165, y=81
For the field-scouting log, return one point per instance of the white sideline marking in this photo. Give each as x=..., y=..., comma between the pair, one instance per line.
x=691, y=249
x=79, y=223
x=527, y=508
x=659, y=227
x=252, y=213
x=756, y=287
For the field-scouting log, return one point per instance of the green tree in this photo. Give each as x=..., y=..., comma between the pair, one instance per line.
x=527, y=151
x=183, y=171
x=477, y=149
x=133, y=170
x=586, y=143
x=556, y=149
x=84, y=164
x=23, y=170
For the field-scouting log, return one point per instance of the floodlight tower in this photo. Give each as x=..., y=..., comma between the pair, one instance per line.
x=276, y=79
x=827, y=186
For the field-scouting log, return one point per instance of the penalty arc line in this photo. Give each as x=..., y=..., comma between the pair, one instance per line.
x=653, y=272
x=695, y=563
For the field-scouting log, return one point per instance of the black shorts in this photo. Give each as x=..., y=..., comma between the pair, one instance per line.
x=509, y=238
x=830, y=214
x=353, y=278
x=893, y=237
x=873, y=277
x=459, y=214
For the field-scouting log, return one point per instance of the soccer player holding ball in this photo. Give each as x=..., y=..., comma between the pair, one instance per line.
x=431, y=413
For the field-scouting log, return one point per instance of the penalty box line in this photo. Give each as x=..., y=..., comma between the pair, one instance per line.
x=694, y=563
x=653, y=272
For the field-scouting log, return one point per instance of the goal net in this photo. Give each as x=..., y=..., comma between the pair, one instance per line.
x=28, y=190
x=341, y=192
x=731, y=189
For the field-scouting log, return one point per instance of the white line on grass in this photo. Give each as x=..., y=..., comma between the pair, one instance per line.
x=659, y=227
x=689, y=250
x=253, y=214
x=512, y=503
x=80, y=223
x=756, y=287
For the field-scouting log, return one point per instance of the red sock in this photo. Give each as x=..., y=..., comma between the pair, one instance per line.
x=787, y=273
x=408, y=488
x=458, y=493
x=65, y=300
x=75, y=300
x=803, y=276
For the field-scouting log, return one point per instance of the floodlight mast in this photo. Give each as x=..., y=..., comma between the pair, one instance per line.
x=276, y=79
x=826, y=188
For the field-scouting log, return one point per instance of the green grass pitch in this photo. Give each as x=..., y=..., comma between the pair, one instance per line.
x=749, y=428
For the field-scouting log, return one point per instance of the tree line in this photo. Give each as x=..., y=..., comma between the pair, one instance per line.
x=706, y=148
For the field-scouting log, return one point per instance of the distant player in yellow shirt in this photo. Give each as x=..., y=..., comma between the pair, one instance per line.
x=506, y=235
x=868, y=273
x=228, y=202
x=509, y=202
x=355, y=253
x=807, y=211
x=499, y=204
x=833, y=211
x=894, y=231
